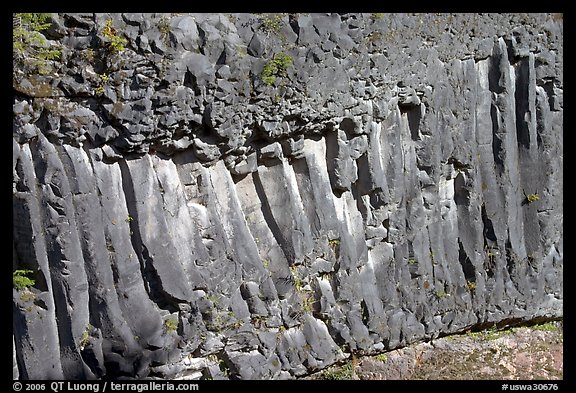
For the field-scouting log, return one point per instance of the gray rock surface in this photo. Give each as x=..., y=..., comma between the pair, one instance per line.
x=192, y=206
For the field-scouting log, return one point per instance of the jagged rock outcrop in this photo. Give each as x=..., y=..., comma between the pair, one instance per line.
x=193, y=204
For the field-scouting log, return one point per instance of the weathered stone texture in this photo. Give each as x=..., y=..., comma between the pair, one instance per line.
x=399, y=179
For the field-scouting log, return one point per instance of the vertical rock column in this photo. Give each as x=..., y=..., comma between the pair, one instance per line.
x=35, y=324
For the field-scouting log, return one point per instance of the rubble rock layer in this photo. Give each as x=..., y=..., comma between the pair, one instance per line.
x=257, y=196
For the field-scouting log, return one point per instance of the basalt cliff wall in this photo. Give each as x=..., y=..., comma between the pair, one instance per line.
x=258, y=196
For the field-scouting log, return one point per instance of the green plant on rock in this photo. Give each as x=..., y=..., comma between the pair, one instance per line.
x=471, y=285
x=345, y=372
x=20, y=279
x=381, y=357
x=490, y=252
x=26, y=28
x=29, y=45
x=489, y=334
x=296, y=277
x=271, y=23
x=377, y=15
x=308, y=302
x=441, y=294
x=164, y=25
x=276, y=67
x=334, y=242
x=547, y=327
x=533, y=198
x=214, y=299
x=85, y=339
x=171, y=325
x=412, y=261
x=104, y=78
x=116, y=43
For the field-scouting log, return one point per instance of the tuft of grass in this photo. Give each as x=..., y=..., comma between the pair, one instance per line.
x=471, y=285
x=546, y=327
x=296, y=277
x=345, y=372
x=20, y=279
x=308, y=303
x=489, y=334
x=381, y=357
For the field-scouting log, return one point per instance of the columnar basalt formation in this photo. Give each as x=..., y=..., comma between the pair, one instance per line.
x=258, y=196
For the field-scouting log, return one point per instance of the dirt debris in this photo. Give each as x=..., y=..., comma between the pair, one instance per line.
x=520, y=353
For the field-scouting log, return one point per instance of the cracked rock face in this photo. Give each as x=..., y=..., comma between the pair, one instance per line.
x=185, y=216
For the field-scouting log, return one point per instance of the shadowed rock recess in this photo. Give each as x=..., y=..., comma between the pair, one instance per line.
x=257, y=196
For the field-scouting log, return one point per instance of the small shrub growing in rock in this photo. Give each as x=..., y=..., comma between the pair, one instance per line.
x=20, y=279
x=271, y=23
x=276, y=67
x=85, y=339
x=171, y=325
x=29, y=45
x=116, y=43
x=26, y=30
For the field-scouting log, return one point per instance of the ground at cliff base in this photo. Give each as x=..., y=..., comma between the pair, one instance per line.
x=521, y=353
